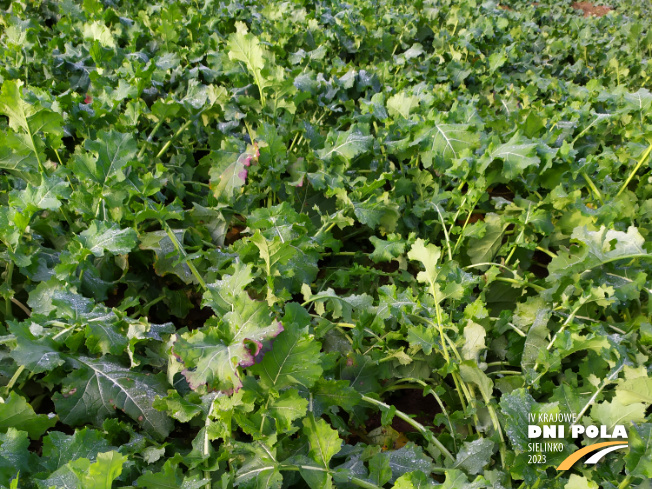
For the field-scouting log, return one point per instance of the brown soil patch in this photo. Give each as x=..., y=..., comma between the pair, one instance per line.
x=233, y=235
x=505, y=7
x=472, y=219
x=589, y=9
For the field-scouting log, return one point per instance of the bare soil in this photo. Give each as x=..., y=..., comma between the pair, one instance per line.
x=589, y=9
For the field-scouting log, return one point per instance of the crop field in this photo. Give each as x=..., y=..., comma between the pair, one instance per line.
x=331, y=244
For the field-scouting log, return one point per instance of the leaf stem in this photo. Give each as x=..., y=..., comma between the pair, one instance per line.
x=623, y=257
x=8, y=278
x=597, y=119
x=593, y=187
x=22, y=306
x=428, y=435
x=206, y=448
x=552, y=341
x=505, y=372
x=296, y=136
x=14, y=378
x=606, y=382
x=448, y=241
x=428, y=390
x=563, y=326
x=147, y=306
x=179, y=131
x=518, y=331
x=364, y=484
x=547, y=252
x=149, y=138
x=182, y=252
x=636, y=168
x=355, y=480
x=484, y=264
x=524, y=283
x=625, y=482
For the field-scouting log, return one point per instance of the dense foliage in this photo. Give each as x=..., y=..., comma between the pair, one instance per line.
x=244, y=243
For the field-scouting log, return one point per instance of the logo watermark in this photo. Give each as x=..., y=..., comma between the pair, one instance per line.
x=564, y=425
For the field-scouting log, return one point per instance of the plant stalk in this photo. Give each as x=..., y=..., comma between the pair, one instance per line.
x=636, y=168
x=428, y=435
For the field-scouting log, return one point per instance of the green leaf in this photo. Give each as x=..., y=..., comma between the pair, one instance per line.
x=455, y=479
x=227, y=179
x=180, y=408
x=59, y=448
x=166, y=254
x=212, y=355
x=516, y=407
x=292, y=361
x=380, y=471
x=16, y=413
x=606, y=245
x=170, y=477
x=414, y=480
x=16, y=156
x=474, y=455
x=378, y=211
x=24, y=116
x=101, y=237
x=104, y=336
x=64, y=478
x=324, y=441
x=428, y=255
x=97, y=31
x=274, y=252
x=407, y=459
x=474, y=336
x=578, y=482
x=387, y=250
x=635, y=390
x=340, y=307
x=422, y=337
x=260, y=467
x=445, y=141
x=22, y=151
x=347, y=144
x=287, y=408
x=611, y=413
x=44, y=196
x=471, y=373
x=14, y=449
x=533, y=316
x=401, y=104
x=37, y=354
x=209, y=360
x=111, y=152
x=598, y=248
x=101, y=473
x=496, y=60
x=516, y=157
x=329, y=393
x=97, y=388
x=245, y=47
x=483, y=250
x=314, y=476
x=223, y=294
x=638, y=460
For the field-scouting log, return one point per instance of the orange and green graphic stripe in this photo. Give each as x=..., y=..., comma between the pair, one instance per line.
x=574, y=457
